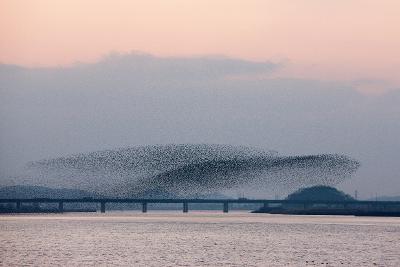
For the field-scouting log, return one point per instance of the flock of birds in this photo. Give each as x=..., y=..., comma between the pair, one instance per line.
x=188, y=170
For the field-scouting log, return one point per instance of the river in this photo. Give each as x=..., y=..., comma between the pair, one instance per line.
x=202, y=238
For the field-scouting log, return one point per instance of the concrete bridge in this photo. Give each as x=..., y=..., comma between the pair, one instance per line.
x=369, y=205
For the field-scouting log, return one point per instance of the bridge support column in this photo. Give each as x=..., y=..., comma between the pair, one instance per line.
x=61, y=206
x=185, y=207
x=226, y=207
x=18, y=205
x=144, y=207
x=103, y=207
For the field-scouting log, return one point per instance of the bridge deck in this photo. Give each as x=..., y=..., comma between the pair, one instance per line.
x=185, y=202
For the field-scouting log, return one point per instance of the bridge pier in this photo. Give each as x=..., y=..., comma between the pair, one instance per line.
x=103, y=207
x=36, y=205
x=144, y=207
x=18, y=204
x=61, y=206
x=226, y=207
x=185, y=207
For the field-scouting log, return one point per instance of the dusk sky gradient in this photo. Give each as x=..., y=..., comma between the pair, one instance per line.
x=355, y=41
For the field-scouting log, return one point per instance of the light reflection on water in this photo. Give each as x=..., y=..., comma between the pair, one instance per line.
x=198, y=239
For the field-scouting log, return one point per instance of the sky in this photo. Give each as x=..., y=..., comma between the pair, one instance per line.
x=351, y=40
x=299, y=77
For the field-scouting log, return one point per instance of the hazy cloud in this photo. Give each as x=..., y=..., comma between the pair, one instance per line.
x=137, y=99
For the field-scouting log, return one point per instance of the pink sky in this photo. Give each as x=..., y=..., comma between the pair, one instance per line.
x=343, y=40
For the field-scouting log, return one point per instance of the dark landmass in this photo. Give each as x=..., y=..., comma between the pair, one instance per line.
x=385, y=198
x=327, y=193
x=28, y=191
x=329, y=211
x=26, y=208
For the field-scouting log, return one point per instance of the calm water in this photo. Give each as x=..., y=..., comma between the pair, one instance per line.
x=198, y=239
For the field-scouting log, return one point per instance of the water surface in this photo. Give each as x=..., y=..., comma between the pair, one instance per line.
x=197, y=239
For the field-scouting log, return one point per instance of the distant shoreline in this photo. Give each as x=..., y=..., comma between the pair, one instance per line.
x=341, y=212
x=38, y=211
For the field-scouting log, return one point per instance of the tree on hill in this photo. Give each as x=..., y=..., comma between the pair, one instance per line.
x=320, y=192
